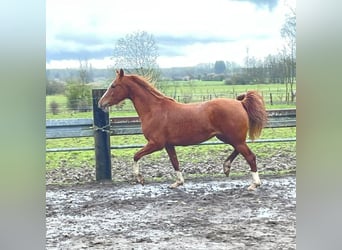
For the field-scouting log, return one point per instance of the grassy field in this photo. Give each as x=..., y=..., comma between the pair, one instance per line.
x=182, y=91
x=215, y=88
x=87, y=158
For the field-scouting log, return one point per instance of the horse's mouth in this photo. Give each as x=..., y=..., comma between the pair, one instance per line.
x=104, y=108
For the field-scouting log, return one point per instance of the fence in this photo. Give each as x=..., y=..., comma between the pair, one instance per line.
x=271, y=97
x=101, y=127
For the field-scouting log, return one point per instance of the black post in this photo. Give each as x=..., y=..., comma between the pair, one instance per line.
x=101, y=138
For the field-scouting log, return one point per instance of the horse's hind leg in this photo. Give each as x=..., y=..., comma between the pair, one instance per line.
x=173, y=158
x=251, y=159
x=228, y=162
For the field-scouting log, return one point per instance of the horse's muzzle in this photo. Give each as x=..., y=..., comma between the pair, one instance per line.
x=104, y=107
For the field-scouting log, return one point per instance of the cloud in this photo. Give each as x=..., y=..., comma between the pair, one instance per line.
x=271, y=4
x=173, y=40
x=82, y=45
x=171, y=45
x=86, y=29
x=78, y=55
x=69, y=45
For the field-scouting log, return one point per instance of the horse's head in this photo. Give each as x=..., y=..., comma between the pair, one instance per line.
x=116, y=92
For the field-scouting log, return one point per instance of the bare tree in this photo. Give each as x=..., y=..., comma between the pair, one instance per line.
x=288, y=32
x=138, y=53
x=85, y=72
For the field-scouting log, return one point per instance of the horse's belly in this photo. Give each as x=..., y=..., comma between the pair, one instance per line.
x=191, y=136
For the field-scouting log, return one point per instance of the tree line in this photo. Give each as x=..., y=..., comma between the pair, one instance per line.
x=138, y=52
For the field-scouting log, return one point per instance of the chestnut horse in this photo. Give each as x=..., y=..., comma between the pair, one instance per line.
x=167, y=123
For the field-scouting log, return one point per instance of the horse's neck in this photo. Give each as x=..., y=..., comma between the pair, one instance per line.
x=143, y=100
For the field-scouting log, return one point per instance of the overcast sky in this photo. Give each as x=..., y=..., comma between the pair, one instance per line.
x=187, y=32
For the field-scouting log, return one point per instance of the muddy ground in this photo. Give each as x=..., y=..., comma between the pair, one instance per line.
x=208, y=212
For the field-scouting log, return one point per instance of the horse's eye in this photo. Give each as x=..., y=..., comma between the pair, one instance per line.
x=112, y=86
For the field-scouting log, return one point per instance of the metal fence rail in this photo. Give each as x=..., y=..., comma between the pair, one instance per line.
x=84, y=127
x=101, y=128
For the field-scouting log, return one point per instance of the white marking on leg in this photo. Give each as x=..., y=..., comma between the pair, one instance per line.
x=137, y=174
x=179, y=180
x=136, y=168
x=256, y=181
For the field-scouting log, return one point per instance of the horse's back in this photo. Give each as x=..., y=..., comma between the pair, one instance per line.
x=224, y=108
x=187, y=124
x=216, y=111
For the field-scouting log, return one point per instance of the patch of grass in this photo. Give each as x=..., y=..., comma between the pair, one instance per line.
x=195, y=154
x=70, y=159
x=198, y=91
x=183, y=91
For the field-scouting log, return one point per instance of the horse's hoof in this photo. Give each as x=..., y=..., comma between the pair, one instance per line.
x=253, y=187
x=141, y=181
x=226, y=170
x=175, y=185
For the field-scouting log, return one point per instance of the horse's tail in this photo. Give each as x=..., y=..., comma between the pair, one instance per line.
x=254, y=104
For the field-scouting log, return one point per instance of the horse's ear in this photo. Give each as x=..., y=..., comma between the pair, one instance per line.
x=120, y=73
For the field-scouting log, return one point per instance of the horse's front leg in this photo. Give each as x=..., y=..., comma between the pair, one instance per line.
x=173, y=158
x=147, y=149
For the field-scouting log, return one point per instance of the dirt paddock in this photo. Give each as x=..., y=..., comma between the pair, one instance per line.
x=206, y=213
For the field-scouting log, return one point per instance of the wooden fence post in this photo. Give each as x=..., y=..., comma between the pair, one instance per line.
x=101, y=139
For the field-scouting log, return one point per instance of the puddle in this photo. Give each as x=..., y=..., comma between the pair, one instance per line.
x=154, y=216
